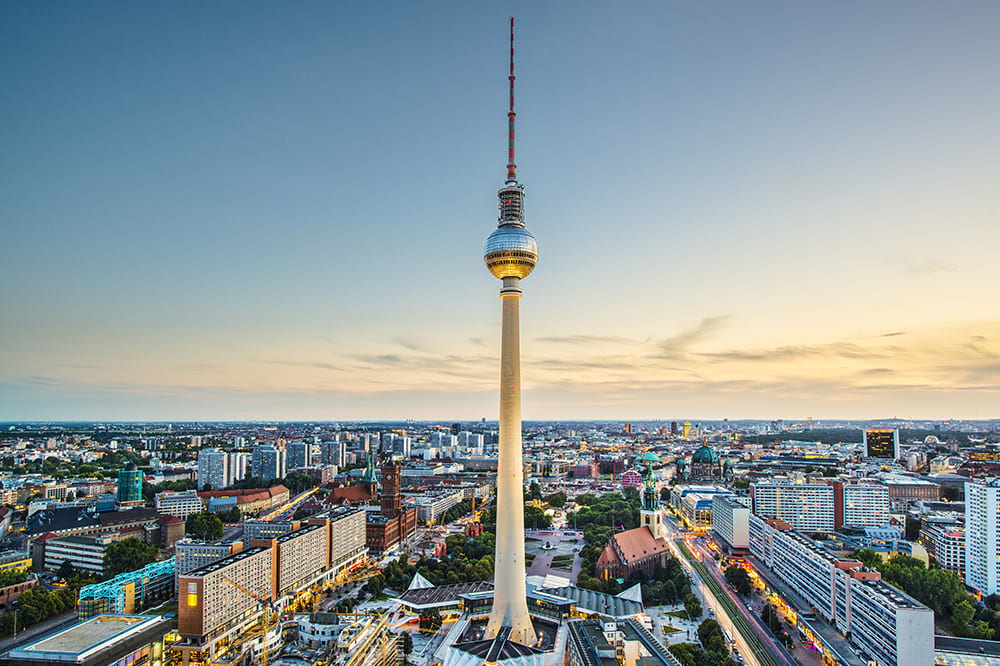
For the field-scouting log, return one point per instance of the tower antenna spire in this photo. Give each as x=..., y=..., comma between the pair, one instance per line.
x=511, y=114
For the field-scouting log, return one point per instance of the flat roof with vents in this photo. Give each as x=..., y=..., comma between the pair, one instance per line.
x=225, y=562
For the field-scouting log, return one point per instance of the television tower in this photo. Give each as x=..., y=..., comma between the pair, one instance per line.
x=510, y=254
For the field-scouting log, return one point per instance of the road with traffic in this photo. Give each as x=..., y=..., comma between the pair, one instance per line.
x=754, y=641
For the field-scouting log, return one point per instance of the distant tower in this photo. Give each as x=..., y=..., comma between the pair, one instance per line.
x=510, y=254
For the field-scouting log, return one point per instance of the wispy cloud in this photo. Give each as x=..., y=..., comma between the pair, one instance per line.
x=916, y=266
x=679, y=344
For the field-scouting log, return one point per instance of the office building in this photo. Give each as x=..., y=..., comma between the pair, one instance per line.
x=982, y=536
x=944, y=539
x=84, y=553
x=887, y=626
x=130, y=486
x=431, y=505
x=180, y=503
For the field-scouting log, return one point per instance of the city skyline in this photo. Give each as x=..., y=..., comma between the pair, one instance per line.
x=217, y=219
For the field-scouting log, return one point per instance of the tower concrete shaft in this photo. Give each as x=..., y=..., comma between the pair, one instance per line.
x=510, y=606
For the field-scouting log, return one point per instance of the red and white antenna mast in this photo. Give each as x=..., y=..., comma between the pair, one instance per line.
x=511, y=114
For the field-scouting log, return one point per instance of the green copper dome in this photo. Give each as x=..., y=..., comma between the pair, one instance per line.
x=650, y=457
x=705, y=454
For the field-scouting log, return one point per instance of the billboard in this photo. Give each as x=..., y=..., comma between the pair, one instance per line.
x=882, y=443
x=984, y=455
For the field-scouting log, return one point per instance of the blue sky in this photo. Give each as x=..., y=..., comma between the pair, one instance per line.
x=261, y=210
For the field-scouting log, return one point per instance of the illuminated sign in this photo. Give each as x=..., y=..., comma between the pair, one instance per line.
x=882, y=443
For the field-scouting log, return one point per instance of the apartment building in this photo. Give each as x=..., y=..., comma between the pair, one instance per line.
x=730, y=522
x=805, y=506
x=212, y=607
x=888, y=627
x=864, y=505
x=213, y=470
x=822, y=507
x=982, y=536
x=300, y=556
x=348, y=544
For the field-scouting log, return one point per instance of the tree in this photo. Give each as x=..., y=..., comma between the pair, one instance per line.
x=205, y=526
x=128, y=555
x=739, y=579
x=951, y=493
x=66, y=570
x=692, y=606
x=535, y=518
x=230, y=515
x=535, y=491
x=557, y=500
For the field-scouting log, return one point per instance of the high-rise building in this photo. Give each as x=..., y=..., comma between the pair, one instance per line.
x=299, y=455
x=130, y=486
x=239, y=464
x=510, y=255
x=333, y=452
x=268, y=461
x=213, y=470
x=982, y=536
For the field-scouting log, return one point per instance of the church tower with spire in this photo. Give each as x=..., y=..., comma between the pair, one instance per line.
x=650, y=515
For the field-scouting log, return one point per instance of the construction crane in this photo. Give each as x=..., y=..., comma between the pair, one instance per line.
x=267, y=625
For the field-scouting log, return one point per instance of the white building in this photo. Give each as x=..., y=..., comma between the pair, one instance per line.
x=730, y=521
x=213, y=469
x=805, y=506
x=982, y=546
x=181, y=504
x=885, y=625
x=865, y=505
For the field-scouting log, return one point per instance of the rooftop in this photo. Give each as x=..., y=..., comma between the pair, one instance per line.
x=80, y=642
x=226, y=561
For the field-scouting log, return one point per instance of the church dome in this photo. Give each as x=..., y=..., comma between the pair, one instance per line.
x=649, y=456
x=705, y=454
